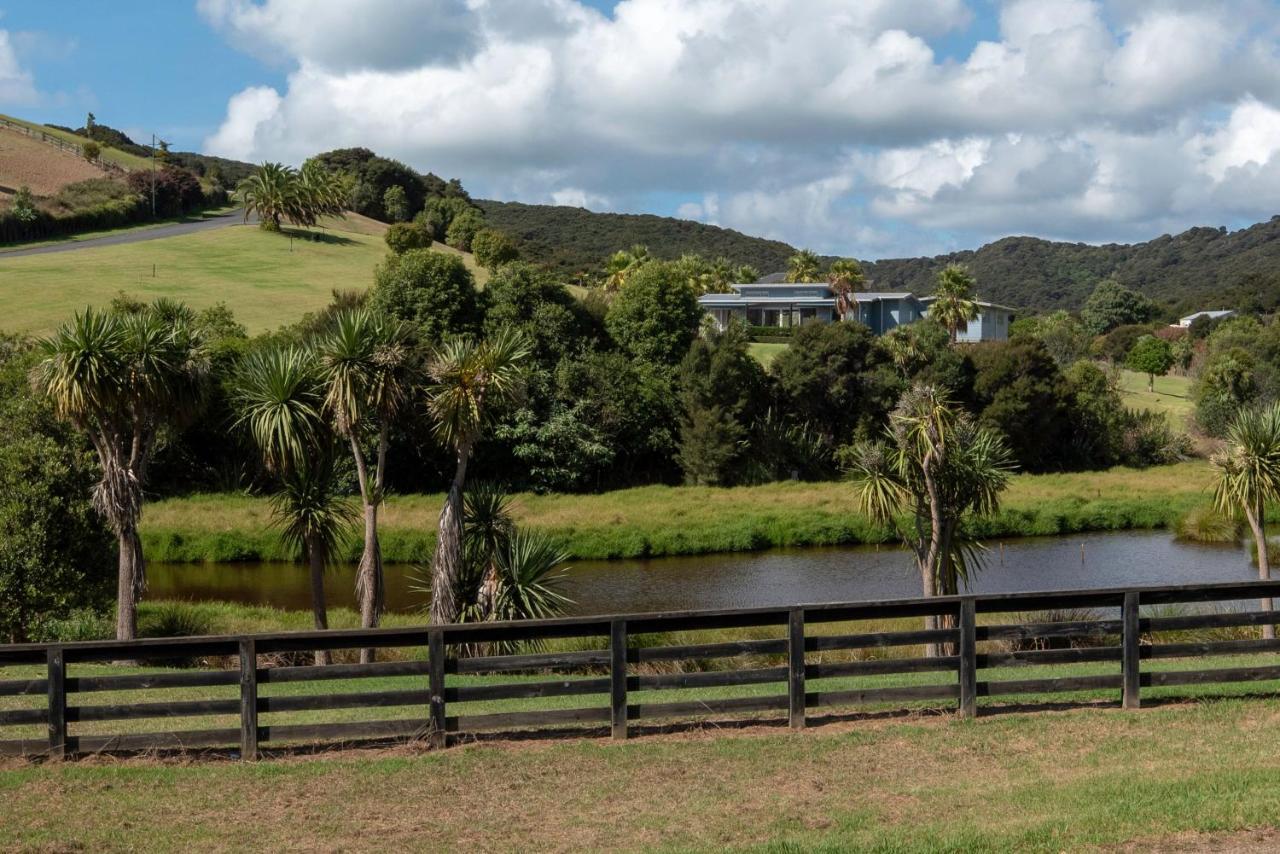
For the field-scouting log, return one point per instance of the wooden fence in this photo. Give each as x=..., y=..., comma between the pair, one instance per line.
x=811, y=659
x=61, y=144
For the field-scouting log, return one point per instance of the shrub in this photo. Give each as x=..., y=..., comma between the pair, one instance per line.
x=463, y=229
x=173, y=620
x=656, y=316
x=434, y=291
x=1206, y=524
x=91, y=151
x=176, y=190
x=395, y=204
x=403, y=236
x=23, y=207
x=493, y=248
x=82, y=195
x=1151, y=356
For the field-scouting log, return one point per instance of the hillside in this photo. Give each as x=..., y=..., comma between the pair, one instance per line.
x=572, y=240
x=26, y=161
x=1199, y=268
x=266, y=279
x=123, y=159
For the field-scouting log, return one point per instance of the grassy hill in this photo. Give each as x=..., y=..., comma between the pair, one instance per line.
x=572, y=240
x=123, y=159
x=266, y=279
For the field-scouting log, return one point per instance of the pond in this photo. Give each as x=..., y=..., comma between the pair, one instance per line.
x=780, y=577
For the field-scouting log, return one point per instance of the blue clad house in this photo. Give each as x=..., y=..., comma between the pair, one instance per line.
x=788, y=305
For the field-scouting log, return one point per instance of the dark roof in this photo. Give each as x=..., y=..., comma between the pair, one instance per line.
x=772, y=279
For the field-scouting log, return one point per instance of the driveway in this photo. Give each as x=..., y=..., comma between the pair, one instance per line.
x=137, y=235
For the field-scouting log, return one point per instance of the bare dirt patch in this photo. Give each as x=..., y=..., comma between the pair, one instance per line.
x=41, y=167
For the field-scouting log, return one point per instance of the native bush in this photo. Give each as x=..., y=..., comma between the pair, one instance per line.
x=434, y=291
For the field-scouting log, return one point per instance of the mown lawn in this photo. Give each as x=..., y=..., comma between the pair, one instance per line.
x=1172, y=396
x=1048, y=781
x=267, y=279
x=665, y=520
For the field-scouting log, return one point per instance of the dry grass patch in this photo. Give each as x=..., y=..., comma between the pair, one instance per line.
x=43, y=168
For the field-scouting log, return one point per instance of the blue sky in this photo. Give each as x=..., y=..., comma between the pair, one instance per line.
x=875, y=128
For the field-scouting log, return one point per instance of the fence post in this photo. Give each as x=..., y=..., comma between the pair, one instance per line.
x=618, y=678
x=1129, y=661
x=968, y=658
x=795, y=668
x=57, y=680
x=248, y=699
x=435, y=663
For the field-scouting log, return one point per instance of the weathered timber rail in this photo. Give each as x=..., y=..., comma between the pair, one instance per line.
x=815, y=657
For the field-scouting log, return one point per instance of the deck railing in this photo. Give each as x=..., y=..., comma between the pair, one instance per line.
x=794, y=661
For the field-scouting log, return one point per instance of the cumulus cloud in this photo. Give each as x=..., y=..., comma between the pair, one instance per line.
x=846, y=127
x=17, y=87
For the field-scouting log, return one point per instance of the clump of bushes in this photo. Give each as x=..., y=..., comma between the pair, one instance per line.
x=1206, y=524
x=403, y=236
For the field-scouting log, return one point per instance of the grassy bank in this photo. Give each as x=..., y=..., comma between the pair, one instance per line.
x=661, y=520
x=1028, y=782
x=1172, y=396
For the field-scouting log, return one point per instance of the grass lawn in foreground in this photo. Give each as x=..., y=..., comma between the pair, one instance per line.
x=766, y=352
x=1027, y=781
x=266, y=279
x=666, y=520
x=1172, y=396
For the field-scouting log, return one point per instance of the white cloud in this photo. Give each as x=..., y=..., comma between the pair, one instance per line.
x=842, y=127
x=17, y=86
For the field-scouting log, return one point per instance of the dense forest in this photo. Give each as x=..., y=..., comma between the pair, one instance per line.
x=571, y=240
x=1197, y=269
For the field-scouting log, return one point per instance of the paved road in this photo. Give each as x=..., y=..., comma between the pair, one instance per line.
x=235, y=217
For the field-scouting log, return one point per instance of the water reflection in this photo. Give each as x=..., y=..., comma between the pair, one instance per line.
x=766, y=578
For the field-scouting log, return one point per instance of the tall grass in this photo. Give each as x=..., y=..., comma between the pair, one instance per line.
x=1205, y=524
x=655, y=521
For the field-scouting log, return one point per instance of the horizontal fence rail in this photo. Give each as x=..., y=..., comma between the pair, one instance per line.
x=511, y=676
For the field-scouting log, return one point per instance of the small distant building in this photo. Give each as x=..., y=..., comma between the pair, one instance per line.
x=782, y=305
x=1212, y=315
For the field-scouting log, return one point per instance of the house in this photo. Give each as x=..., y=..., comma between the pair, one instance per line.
x=781, y=305
x=1212, y=315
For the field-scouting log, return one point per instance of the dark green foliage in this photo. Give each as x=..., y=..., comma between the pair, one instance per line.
x=56, y=555
x=403, y=236
x=574, y=240
x=375, y=175
x=834, y=377
x=434, y=291
x=177, y=190
x=1062, y=334
x=493, y=248
x=90, y=193
x=1019, y=390
x=722, y=391
x=1226, y=384
x=439, y=213
x=1111, y=305
x=525, y=297
x=1116, y=344
x=463, y=229
x=1151, y=356
x=395, y=204
x=1197, y=269
x=656, y=315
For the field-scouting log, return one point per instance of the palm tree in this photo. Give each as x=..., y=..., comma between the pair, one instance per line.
x=365, y=360
x=845, y=276
x=941, y=467
x=903, y=346
x=745, y=274
x=271, y=193
x=622, y=264
x=1248, y=469
x=953, y=305
x=122, y=379
x=471, y=380
x=314, y=520
x=487, y=526
x=803, y=267
x=279, y=397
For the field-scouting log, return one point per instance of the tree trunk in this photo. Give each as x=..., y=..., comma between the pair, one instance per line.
x=1151, y=383
x=369, y=586
x=130, y=581
x=315, y=557
x=1257, y=524
x=446, y=566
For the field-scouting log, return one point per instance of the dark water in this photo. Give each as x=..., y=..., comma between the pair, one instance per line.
x=766, y=578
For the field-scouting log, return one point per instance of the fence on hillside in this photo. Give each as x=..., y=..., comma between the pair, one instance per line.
x=59, y=143
x=793, y=661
